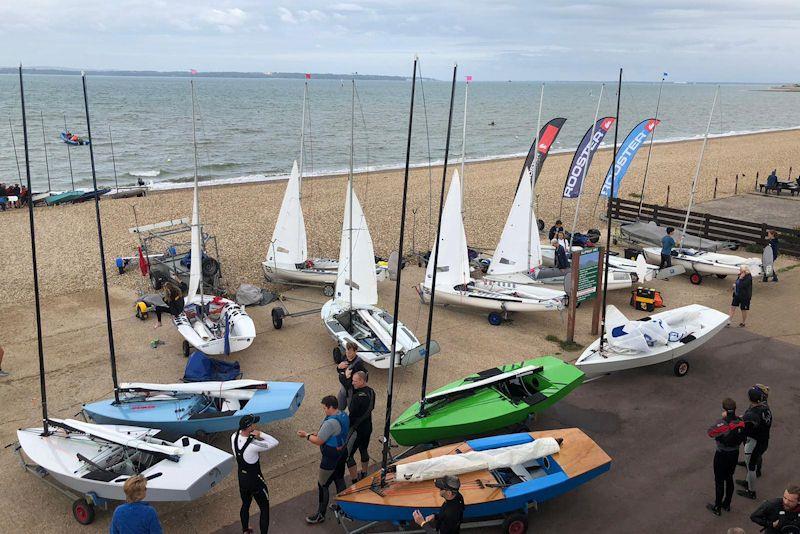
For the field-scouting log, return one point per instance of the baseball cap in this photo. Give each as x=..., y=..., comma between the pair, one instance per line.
x=248, y=420
x=448, y=482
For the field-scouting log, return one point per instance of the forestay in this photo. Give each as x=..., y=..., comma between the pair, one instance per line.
x=453, y=264
x=519, y=249
x=363, y=279
x=288, y=246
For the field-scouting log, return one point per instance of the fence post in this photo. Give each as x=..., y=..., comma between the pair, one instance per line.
x=667, y=202
x=655, y=214
x=756, y=186
x=715, y=187
x=736, y=186
x=763, y=233
x=790, y=173
x=706, y=224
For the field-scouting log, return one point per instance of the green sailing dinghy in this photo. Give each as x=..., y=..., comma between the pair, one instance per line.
x=487, y=401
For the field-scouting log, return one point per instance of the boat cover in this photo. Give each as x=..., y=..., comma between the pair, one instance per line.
x=641, y=336
x=201, y=368
x=651, y=233
x=456, y=464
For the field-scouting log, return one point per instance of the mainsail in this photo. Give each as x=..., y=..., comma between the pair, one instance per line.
x=453, y=268
x=512, y=252
x=288, y=246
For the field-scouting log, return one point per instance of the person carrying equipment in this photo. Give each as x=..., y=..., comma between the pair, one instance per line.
x=758, y=421
x=448, y=520
x=248, y=444
x=332, y=441
x=728, y=432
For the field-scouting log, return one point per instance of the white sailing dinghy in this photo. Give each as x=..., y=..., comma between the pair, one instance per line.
x=211, y=324
x=658, y=338
x=454, y=285
x=352, y=314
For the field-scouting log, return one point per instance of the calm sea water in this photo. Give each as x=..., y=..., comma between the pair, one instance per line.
x=250, y=129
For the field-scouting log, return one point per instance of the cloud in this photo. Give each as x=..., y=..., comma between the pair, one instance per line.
x=286, y=15
x=313, y=15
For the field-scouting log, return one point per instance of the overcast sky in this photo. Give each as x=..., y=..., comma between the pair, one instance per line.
x=693, y=40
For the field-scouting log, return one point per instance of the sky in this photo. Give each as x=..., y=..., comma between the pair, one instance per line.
x=692, y=40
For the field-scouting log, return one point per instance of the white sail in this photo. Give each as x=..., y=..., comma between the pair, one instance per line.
x=196, y=267
x=453, y=264
x=363, y=279
x=288, y=246
x=511, y=254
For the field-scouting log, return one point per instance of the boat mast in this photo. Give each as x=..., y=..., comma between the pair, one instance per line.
x=350, y=194
x=42, y=385
x=650, y=147
x=464, y=142
x=697, y=170
x=533, y=178
x=396, y=312
x=436, y=253
x=585, y=168
x=109, y=327
x=46, y=160
x=196, y=206
x=113, y=159
x=302, y=139
x=608, y=215
x=69, y=155
x=16, y=157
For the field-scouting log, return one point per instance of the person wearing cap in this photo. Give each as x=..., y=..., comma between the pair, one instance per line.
x=451, y=513
x=248, y=444
x=332, y=441
x=352, y=363
x=728, y=433
x=758, y=421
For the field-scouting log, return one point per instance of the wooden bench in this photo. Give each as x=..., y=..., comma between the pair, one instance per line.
x=792, y=187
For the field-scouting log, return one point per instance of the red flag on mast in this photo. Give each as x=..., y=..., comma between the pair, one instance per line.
x=192, y=72
x=308, y=76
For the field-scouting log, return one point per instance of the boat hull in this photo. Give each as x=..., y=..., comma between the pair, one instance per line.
x=489, y=300
x=707, y=263
x=487, y=409
x=242, y=330
x=316, y=276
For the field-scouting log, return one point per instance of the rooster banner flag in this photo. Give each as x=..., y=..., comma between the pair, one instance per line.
x=583, y=156
x=626, y=153
x=541, y=145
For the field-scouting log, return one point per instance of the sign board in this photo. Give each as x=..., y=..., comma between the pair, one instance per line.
x=587, y=274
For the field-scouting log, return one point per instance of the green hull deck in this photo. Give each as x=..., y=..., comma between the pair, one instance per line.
x=501, y=401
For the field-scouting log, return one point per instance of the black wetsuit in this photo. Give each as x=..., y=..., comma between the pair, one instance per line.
x=758, y=421
x=362, y=402
x=251, y=486
x=448, y=520
x=729, y=435
x=770, y=511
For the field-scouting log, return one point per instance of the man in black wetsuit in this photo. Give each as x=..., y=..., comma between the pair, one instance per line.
x=780, y=516
x=758, y=421
x=362, y=402
x=728, y=432
x=351, y=363
x=248, y=443
x=448, y=520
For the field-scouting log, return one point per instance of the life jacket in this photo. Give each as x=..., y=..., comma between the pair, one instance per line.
x=337, y=441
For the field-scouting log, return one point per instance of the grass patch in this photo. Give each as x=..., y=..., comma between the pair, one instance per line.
x=567, y=346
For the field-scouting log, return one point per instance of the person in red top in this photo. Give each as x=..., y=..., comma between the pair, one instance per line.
x=728, y=433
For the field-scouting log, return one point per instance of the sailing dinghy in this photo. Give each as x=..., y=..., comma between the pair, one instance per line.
x=211, y=324
x=658, y=338
x=487, y=401
x=454, y=285
x=499, y=475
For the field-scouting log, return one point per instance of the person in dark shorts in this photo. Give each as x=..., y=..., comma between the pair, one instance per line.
x=758, y=422
x=728, y=433
x=362, y=402
x=448, y=520
x=742, y=293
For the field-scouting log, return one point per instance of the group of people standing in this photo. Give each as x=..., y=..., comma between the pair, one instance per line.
x=13, y=196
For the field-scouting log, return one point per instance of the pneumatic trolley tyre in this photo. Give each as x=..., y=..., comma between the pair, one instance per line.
x=83, y=511
x=495, y=319
x=327, y=290
x=695, y=279
x=277, y=318
x=516, y=523
x=187, y=349
x=681, y=368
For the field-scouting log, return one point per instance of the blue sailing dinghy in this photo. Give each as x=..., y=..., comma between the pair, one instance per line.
x=198, y=408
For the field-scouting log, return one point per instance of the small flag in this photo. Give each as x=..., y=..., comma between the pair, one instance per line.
x=308, y=76
x=665, y=75
x=469, y=79
x=192, y=72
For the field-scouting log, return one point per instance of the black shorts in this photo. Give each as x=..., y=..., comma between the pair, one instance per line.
x=743, y=304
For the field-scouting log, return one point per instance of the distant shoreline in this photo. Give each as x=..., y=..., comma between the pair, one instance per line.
x=200, y=74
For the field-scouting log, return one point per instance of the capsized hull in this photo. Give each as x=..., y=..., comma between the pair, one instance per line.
x=490, y=408
x=485, y=495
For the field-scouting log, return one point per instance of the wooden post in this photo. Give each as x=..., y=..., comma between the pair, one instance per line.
x=706, y=223
x=715, y=187
x=756, y=186
x=573, y=295
x=736, y=186
x=598, y=298
x=763, y=233
x=790, y=173
x=655, y=209
x=667, y=202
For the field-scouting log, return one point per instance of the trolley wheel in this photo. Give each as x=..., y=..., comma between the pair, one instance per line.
x=187, y=349
x=209, y=266
x=277, y=318
x=696, y=279
x=83, y=511
x=681, y=368
x=337, y=355
x=722, y=276
x=327, y=290
x=515, y=524
x=495, y=319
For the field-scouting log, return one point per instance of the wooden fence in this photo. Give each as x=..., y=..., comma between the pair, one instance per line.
x=707, y=225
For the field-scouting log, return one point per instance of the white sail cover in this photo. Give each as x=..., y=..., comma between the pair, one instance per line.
x=196, y=267
x=288, y=246
x=511, y=254
x=642, y=337
x=468, y=462
x=195, y=387
x=363, y=279
x=453, y=264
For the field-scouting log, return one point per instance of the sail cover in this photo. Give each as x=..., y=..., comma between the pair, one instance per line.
x=196, y=265
x=541, y=145
x=288, y=246
x=363, y=280
x=511, y=254
x=627, y=150
x=583, y=156
x=468, y=462
x=453, y=264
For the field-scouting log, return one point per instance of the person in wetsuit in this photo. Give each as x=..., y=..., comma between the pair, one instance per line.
x=728, y=432
x=451, y=513
x=351, y=363
x=362, y=402
x=781, y=515
x=758, y=421
x=332, y=441
x=248, y=444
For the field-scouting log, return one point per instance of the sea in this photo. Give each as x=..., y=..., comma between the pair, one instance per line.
x=249, y=130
